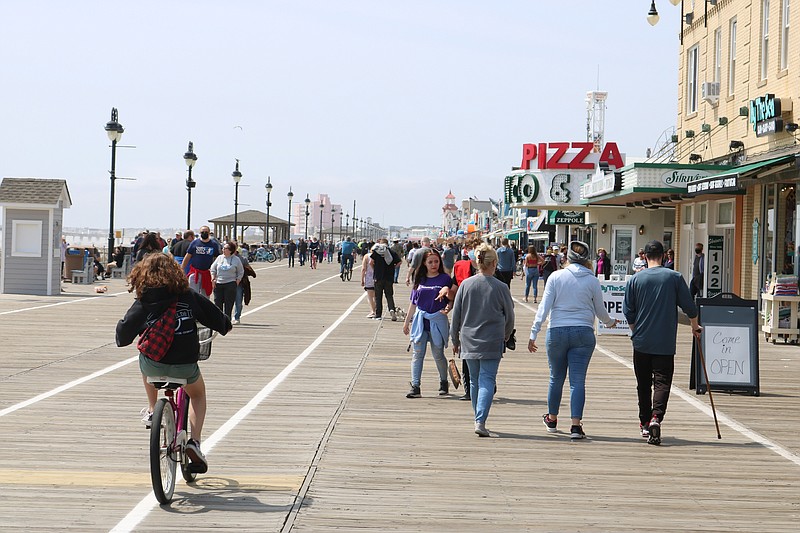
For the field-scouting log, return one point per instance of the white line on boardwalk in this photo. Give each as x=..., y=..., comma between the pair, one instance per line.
x=724, y=419
x=147, y=504
x=115, y=366
x=61, y=303
x=705, y=409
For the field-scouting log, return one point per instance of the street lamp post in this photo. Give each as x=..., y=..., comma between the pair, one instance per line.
x=347, y=225
x=308, y=203
x=237, y=177
x=355, y=227
x=190, y=159
x=333, y=210
x=321, y=208
x=268, y=187
x=114, y=131
x=289, y=195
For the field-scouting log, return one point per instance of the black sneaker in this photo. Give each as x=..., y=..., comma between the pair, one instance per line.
x=549, y=423
x=466, y=397
x=414, y=392
x=645, y=431
x=576, y=433
x=655, y=431
x=444, y=388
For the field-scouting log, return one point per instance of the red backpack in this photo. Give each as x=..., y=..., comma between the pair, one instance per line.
x=156, y=340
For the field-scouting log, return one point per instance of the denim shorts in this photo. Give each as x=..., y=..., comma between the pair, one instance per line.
x=190, y=371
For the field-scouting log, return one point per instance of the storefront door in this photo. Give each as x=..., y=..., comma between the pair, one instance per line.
x=623, y=245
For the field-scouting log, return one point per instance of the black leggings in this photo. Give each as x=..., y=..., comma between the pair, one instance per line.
x=653, y=372
x=225, y=296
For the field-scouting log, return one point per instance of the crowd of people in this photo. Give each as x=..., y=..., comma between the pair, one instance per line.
x=460, y=295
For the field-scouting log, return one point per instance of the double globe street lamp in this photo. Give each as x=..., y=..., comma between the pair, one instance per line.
x=190, y=159
x=114, y=131
x=289, y=195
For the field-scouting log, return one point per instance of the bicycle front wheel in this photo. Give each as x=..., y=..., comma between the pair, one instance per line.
x=271, y=257
x=348, y=274
x=162, y=451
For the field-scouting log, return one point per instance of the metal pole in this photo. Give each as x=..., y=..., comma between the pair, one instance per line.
x=306, y=232
x=266, y=231
x=354, y=219
x=289, y=222
x=189, y=204
x=111, y=216
x=321, y=210
x=235, y=211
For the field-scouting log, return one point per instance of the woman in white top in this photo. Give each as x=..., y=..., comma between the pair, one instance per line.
x=227, y=272
x=572, y=298
x=368, y=282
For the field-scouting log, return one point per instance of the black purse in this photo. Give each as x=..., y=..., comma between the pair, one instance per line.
x=511, y=343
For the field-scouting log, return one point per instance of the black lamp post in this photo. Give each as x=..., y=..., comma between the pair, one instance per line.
x=333, y=210
x=268, y=187
x=321, y=208
x=289, y=195
x=355, y=227
x=308, y=203
x=354, y=219
x=190, y=159
x=114, y=130
x=237, y=177
x=347, y=225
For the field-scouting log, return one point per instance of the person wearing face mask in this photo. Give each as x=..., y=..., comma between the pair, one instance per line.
x=698, y=271
x=227, y=272
x=602, y=264
x=198, y=259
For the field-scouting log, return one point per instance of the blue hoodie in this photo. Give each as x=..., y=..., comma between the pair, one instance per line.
x=572, y=297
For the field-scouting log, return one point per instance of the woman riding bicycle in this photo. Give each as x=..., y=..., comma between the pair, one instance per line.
x=159, y=282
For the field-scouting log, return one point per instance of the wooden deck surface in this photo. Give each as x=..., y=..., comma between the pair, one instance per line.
x=333, y=444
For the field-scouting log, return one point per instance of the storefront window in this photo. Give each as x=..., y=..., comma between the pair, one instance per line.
x=769, y=230
x=725, y=213
x=788, y=223
x=702, y=213
x=687, y=214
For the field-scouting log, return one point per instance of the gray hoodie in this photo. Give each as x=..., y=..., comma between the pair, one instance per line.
x=572, y=297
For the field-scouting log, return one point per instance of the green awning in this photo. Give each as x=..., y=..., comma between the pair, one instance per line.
x=752, y=168
x=514, y=232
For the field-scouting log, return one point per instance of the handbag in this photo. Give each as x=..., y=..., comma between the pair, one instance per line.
x=511, y=343
x=155, y=341
x=455, y=375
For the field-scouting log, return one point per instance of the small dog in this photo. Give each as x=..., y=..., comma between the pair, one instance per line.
x=401, y=314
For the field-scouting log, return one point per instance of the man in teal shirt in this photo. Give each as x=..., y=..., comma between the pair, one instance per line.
x=652, y=298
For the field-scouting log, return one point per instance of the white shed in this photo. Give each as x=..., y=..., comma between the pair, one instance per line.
x=32, y=214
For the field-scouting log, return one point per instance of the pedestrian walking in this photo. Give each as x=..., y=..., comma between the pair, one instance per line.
x=198, y=259
x=506, y=263
x=426, y=319
x=463, y=269
x=482, y=322
x=384, y=261
x=650, y=305
x=532, y=264
x=226, y=275
x=243, y=290
x=602, y=264
x=368, y=282
x=291, y=248
x=549, y=264
x=572, y=298
x=698, y=270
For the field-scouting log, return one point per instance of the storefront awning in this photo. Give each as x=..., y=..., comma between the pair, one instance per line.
x=539, y=236
x=514, y=232
x=752, y=169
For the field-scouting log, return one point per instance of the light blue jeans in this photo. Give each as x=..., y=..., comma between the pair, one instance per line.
x=569, y=348
x=483, y=379
x=237, y=303
x=419, y=357
x=532, y=278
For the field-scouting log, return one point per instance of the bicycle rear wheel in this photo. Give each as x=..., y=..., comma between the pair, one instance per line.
x=188, y=475
x=162, y=453
x=271, y=257
x=348, y=273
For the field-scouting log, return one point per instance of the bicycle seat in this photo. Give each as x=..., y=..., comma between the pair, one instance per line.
x=166, y=382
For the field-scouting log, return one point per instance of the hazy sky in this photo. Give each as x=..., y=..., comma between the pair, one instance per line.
x=390, y=104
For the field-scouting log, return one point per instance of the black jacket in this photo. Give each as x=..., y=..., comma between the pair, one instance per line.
x=191, y=307
x=383, y=271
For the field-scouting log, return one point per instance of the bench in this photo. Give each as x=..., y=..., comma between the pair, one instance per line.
x=123, y=271
x=85, y=276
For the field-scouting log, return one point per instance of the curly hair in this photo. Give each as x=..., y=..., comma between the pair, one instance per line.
x=157, y=270
x=422, y=272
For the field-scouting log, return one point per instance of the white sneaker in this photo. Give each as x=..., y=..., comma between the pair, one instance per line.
x=147, y=417
x=235, y=322
x=480, y=430
x=394, y=315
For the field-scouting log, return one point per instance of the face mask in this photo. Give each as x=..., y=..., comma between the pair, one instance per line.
x=602, y=254
x=471, y=255
x=698, y=251
x=204, y=235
